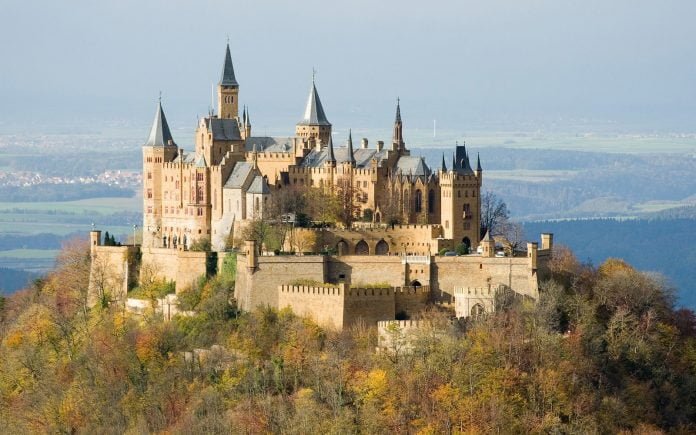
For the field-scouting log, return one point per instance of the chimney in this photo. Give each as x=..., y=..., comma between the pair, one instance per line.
x=380, y=145
x=363, y=143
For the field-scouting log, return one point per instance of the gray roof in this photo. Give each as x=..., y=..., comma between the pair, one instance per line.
x=185, y=157
x=269, y=144
x=362, y=157
x=411, y=165
x=239, y=175
x=200, y=162
x=259, y=185
x=314, y=112
x=223, y=129
x=227, y=78
x=159, y=133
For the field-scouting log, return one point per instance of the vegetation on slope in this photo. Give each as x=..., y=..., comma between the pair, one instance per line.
x=602, y=351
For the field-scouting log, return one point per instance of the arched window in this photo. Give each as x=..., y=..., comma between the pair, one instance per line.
x=342, y=248
x=477, y=311
x=382, y=248
x=431, y=201
x=419, y=201
x=361, y=248
x=467, y=242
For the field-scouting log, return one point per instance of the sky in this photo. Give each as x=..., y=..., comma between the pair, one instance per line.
x=467, y=64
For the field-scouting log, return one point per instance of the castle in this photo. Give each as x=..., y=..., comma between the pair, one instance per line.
x=407, y=213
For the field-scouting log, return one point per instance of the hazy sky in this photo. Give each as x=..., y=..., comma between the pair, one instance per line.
x=464, y=63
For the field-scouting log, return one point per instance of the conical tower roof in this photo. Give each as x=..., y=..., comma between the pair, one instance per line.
x=351, y=156
x=444, y=166
x=314, y=111
x=398, y=111
x=478, y=162
x=330, y=157
x=159, y=133
x=227, y=78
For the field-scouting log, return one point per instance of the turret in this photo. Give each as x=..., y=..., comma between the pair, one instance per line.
x=228, y=89
x=488, y=245
x=94, y=241
x=351, y=156
x=398, y=135
x=330, y=158
x=314, y=124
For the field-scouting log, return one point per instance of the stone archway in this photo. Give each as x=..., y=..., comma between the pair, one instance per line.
x=382, y=248
x=342, y=248
x=467, y=242
x=361, y=248
x=477, y=311
x=415, y=283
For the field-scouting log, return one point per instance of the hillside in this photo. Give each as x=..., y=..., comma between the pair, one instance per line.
x=664, y=245
x=602, y=351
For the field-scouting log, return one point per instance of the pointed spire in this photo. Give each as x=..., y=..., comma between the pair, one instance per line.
x=487, y=237
x=159, y=133
x=351, y=157
x=444, y=166
x=454, y=163
x=398, y=110
x=247, y=117
x=330, y=158
x=314, y=111
x=244, y=116
x=227, y=78
x=478, y=163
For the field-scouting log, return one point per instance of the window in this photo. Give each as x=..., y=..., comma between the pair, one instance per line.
x=199, y=176
x=431, y=201
x=149, y=175
x=419, y=201
x=149, y=193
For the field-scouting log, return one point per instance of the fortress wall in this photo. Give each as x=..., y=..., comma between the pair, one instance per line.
x=362, y=269
x=113, y=270
x=260, y=286
x=368, y=305
x=412, y=239
x=465, y=298
x=411, y=300
x=476, y=271
x=182, y=267
x=323, y=304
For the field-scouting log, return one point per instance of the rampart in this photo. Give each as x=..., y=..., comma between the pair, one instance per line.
x=113, y=271
x=182, y=267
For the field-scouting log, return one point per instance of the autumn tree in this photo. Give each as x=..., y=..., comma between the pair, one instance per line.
x=494, y=213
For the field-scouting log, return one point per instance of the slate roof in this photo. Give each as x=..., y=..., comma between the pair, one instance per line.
x=227, y=78
x=412, y=165
x=159, y=133
x=362, y=156
x=223, y=129
x=314, y=111
x=185, y=157
x=270, y=144
x=259, y=185
x=239, y=175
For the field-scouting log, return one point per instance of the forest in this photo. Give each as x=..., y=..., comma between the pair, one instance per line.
x=602, y=351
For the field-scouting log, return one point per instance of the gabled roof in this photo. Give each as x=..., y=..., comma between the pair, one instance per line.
x=259, y=185
x=412, y=165
x=159, y=133
x=239, y=175
x=314, y=111
x=227, y=78
x=269, y=144
x=223, y=129
x=200, y=162
x=363, y=157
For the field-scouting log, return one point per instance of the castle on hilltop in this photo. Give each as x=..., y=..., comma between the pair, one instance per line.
x=407, y=213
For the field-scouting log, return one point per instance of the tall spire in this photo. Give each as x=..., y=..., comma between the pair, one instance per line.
x=227, y=78
x=478, y=163
x=398, y=110
x=159, y=133
x=351, y=157
x=247, y=117
x=454, y=163
x=330, y=158
x=444, y=166
x=398, y=136
x=244, y=116
x=314, y=111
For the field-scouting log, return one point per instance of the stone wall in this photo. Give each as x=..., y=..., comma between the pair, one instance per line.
x=368, y=306
x=323, y=304
x=182, y=267
x=113, y=270
x=410, y=300
x=258, y=286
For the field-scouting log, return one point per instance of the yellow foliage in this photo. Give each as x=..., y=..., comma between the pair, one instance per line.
x=614, y=265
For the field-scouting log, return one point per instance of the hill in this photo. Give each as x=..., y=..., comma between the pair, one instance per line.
x=603, y=350
x=663, y=245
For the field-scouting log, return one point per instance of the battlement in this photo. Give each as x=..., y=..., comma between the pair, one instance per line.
x=385, y=325
x=474, y=291
x=311, y=290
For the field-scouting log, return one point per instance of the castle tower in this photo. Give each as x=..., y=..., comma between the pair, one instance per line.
x=488, y=245
x=228, y=90
x=247, y=123
x=314, y=124
x=158, y=150
x=460, y=210
x=398, y=134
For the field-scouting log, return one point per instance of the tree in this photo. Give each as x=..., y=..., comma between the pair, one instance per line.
x=305, y=240
x=513, y=233
x=264, y=233
x=494, y=213
x=347, y=197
